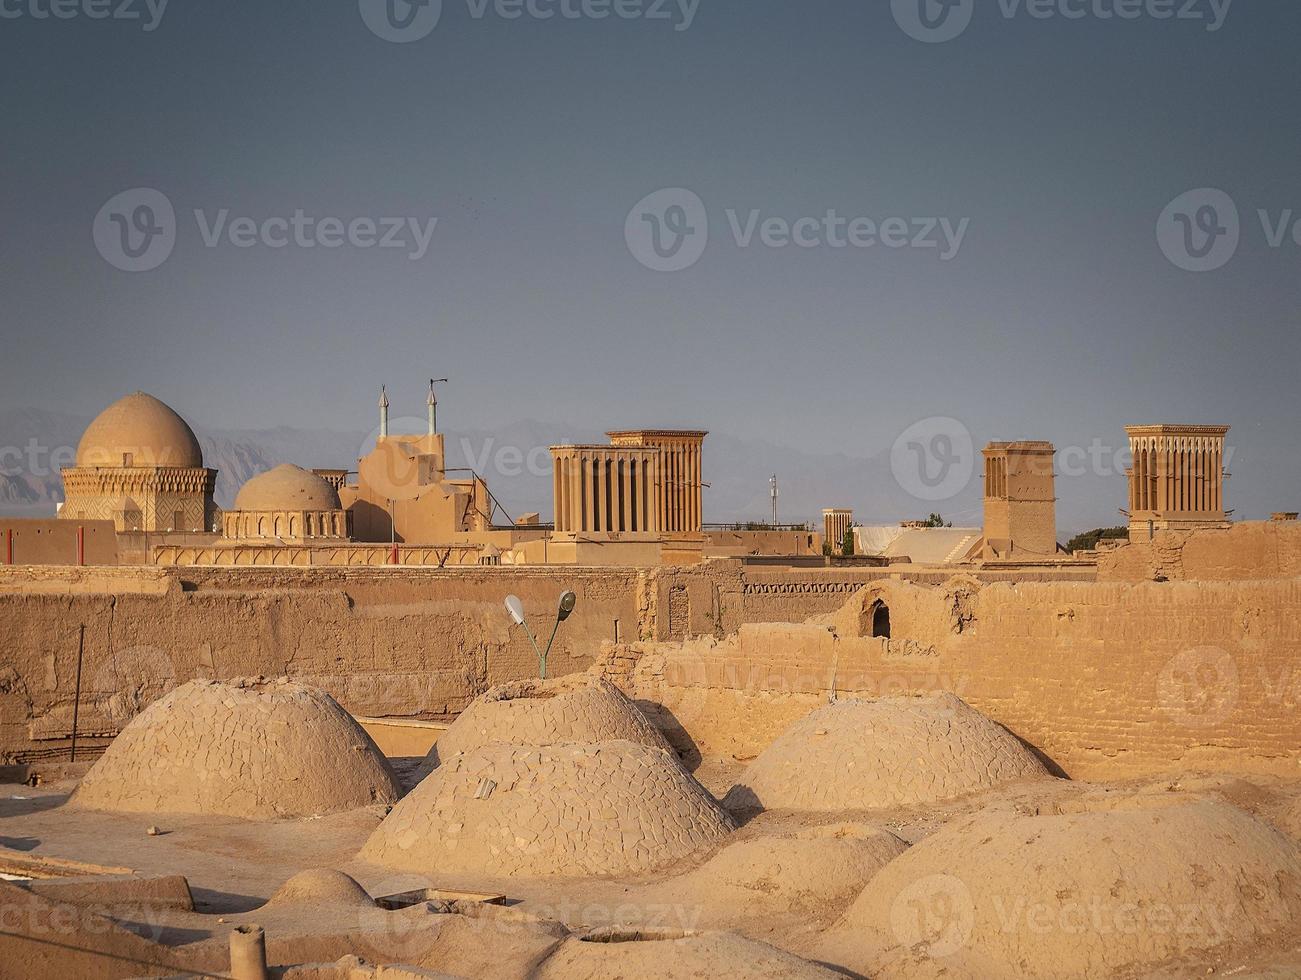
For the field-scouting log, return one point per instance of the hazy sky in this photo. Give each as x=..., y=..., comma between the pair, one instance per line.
x=1058, y=140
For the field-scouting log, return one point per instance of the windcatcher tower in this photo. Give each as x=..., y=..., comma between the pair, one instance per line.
x=1020, y=500
x=1177, y=478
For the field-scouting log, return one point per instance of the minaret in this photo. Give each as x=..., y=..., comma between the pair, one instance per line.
x=383, y=412
x=432, y=403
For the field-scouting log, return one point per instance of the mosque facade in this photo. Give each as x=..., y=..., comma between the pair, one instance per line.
x=140, y=466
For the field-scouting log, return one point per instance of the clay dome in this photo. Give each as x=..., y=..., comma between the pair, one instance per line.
x=287, y=487
x=255, y=749
x=321, y=886
x=559, y=810
x=139, y=430
x=574, y=708
x=1104, y=885
x=883, y=753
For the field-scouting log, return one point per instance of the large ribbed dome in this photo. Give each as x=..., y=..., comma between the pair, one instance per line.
x=139, y=430
x=287, y=487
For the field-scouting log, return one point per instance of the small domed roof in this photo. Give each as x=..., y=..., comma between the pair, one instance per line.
x=139, y=430
x=287, y=487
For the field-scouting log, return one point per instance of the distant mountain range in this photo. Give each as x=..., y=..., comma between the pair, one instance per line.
x=35, y=443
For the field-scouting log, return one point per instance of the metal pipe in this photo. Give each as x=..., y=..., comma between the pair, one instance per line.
x=76, y=702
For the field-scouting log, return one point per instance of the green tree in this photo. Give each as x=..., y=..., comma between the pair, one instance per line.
x=1089, y=539
x=936, y=520
x=847, y=543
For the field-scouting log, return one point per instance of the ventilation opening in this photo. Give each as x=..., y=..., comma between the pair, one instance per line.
x=880, y=619
x=442, y=899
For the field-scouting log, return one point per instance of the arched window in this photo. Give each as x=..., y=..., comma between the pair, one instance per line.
x=880, y=619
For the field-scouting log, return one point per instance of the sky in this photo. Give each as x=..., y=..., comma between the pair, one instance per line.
x=1012, y=243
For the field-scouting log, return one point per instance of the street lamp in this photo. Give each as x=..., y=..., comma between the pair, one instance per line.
x=563, y=609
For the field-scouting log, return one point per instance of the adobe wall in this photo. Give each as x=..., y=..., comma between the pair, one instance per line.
x=382, y=641
x=1244, y=551
x=311, y=554
x=1091, y=673
x=400, y=642
x=716, y=598
x=725, y=544
x=1107, y=680
x=54, y=542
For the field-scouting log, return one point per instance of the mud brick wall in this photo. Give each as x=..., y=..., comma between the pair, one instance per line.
x=383, y=642
x=1106, y=680
x=1247, y=551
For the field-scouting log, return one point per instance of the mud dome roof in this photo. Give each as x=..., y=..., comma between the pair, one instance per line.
x=287, y=487
x=578, y=708
x=248, y=748
x=606, y=954
x=320, y=886
x=819, y=868
x=889, y=752
x=609, y=808
x=142, y=429
x=1099, y=886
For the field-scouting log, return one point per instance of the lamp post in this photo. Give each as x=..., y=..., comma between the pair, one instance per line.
x=563, y=609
